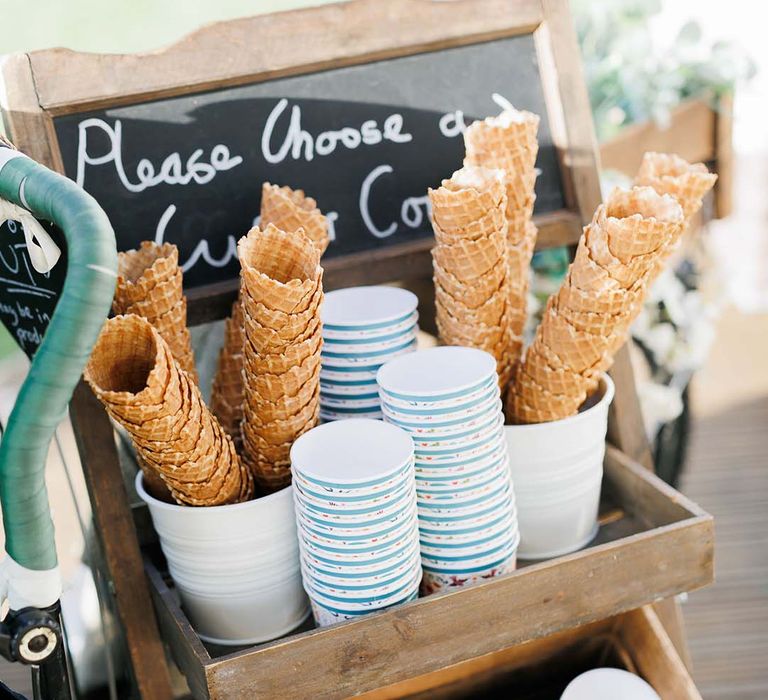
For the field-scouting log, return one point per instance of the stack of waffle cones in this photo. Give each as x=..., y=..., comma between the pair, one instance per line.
x=289, y=210
x=133, y=373
x=471, y=274
x=280, y=293
x=149, y=284
x=687, y=182
x=508, y=142
x=227, y=391
x=588, y=320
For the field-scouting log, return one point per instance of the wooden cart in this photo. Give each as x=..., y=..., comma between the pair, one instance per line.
x=653, y=543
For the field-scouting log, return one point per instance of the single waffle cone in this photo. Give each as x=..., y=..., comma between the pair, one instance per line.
x=595, y=323
x=585, y=274
x=614, y=302
x=638, y=222
x=468, y=260
x=227, y=391
x=557, y=381
x=291, y=210
x=454, y=331
x=276, y=432
x=179, y=431
x=491, y=313
x=577, y=350
x=521, y=413
x=669, y=174
x=493, y=220
x=141, y=270
x=157, y=301
x=265, y=341
x=469, y=198
x=167, y=427
x=280, y=270
x=507, y=142
x=285, y=406
x=625, y=273
x=150, y=285
x=540, y=352
x=536, y=396
x=280, y=360
x=270, y=387
x=475, y=294
x=278, y=320
x=145, y=366
x=685, y=182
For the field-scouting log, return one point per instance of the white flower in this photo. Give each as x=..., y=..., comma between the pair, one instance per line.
x=660, y=404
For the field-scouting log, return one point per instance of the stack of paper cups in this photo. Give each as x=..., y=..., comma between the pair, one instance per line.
x=355, y=504
x=447, y=398
x=363, y=327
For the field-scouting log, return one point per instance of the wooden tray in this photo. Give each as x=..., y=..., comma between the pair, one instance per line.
x=653, y=543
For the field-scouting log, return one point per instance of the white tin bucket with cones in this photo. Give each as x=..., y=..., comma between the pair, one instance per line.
x=557, y=470
x=236, y=567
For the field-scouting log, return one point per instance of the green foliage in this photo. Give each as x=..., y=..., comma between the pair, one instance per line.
x=632, y=79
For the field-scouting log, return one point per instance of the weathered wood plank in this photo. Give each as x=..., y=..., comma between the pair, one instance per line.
x=188, y=651
x=691, y=134
x=421, y=637
x=274, y=45
x=25, y=120
x=655, y=656
x=114, y=527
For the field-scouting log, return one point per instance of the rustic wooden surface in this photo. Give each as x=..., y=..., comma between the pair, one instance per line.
x=292, y=42
x=655, y=655
x=114, y=526
x=727, y=623
x=724, y=157
x=419, y=638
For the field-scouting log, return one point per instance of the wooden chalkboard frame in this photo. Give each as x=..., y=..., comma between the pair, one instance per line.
x=42, y=85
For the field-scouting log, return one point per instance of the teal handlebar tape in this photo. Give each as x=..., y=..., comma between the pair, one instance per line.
x=59, y=361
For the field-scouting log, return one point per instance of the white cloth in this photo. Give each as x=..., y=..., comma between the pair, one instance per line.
x=43, y=252
x=24, y=588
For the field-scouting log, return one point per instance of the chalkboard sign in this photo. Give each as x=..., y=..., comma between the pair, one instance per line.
x=361, y=104
x=366, y=141
x=27, y=297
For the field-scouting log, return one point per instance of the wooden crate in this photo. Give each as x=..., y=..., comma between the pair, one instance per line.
x=541, y=669
x=652, y=544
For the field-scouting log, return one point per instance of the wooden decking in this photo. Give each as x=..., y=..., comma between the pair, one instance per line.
x=727, y=474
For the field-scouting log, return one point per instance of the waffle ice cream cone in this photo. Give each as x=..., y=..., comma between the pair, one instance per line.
x=508, y=142
x=291, y=210
x=470, y=264
x=149, y=284
x=587, y=321
x=669, y=174
x=227, y=391
x=688, y=183
x=280, y=270
x=476, y=294
x=280, y=297
x=133, y=373
x=468, y=260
